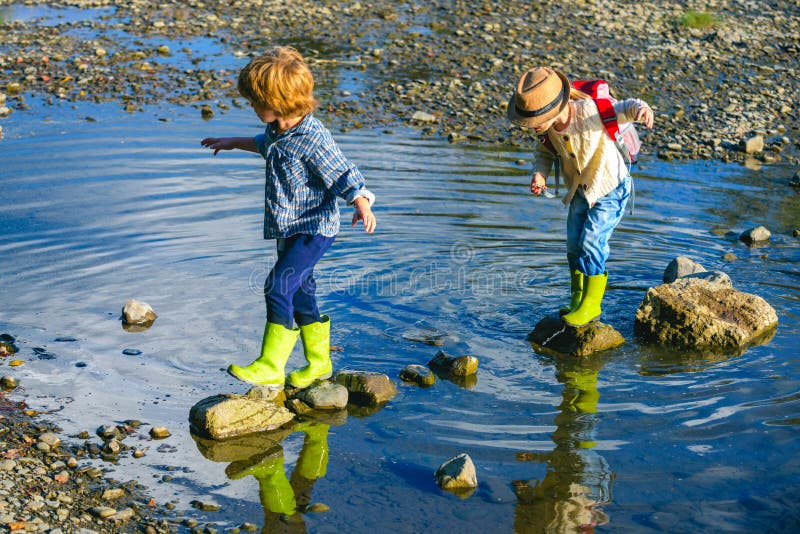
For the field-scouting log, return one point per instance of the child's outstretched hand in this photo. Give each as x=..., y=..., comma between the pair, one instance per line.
x=645, y=115
x=364, y=213
x=219, y=143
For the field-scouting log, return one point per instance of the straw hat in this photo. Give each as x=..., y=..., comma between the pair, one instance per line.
x=541, y=94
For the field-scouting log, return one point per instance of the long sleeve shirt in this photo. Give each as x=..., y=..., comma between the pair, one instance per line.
x=589, y=158
x=305, y=173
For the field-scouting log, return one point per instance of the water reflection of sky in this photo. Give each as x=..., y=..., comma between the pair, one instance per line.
x=131, y=206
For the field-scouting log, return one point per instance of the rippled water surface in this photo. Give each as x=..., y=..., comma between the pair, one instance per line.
x=129, y=206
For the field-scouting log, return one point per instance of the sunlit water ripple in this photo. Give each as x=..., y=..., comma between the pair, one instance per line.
x=95, y=213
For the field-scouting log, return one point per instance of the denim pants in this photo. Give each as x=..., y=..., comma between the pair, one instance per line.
x=290, y=288
x=590, y=228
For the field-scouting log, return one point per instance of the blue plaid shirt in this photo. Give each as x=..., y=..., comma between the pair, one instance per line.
x=306, y=171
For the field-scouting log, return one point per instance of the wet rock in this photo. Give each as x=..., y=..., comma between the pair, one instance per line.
x=752, y=145
x=366, y=388
x=454, y=365
x=102, y=512
x=298, y=407
x=159, y=432
x=8, y=382
x=325, y=396
x=50, y=439
x=457, y=474
x=138, y=313
x=205, y=506
x=107, y=432
x=7, y=347
x=699, y=315
x=730, y=256
x=714, y=277
x=418, y=374
x=227, y=415
x=552, y=336
x=679, y=267
x=112, y=446
x=421, y=116
x=112, y=494
x=755, y=235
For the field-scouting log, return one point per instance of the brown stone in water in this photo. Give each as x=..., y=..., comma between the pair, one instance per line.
x=693, y=314
x=454, y=365
x=227, y=415
x=554, y=337
x=366, y=388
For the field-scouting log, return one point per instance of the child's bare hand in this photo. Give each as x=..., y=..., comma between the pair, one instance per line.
x=364, y=213
x=645, y=115
x=538, y=185
x=218, y=143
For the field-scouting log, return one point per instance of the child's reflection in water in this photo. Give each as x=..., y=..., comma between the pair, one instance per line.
x=285, y=500
x=578, y=479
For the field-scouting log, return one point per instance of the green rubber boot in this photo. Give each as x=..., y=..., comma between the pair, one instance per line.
x=313, y=461
x=267, y=369
x=316, y=339
x=594, y=287
x=576, y=292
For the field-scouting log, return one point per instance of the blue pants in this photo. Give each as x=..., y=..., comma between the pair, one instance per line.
x=590, y=228
x=290, y=287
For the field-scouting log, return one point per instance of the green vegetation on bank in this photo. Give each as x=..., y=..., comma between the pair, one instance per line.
x=696, y=19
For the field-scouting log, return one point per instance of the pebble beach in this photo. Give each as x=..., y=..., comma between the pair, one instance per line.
x=722, y=90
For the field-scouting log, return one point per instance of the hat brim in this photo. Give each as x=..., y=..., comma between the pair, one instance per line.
x=531, y=122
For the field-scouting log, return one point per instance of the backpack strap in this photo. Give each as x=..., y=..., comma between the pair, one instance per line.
x=609, y=117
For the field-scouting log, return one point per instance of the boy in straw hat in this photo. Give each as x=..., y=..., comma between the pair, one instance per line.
x=596, y=174
x=306, y=172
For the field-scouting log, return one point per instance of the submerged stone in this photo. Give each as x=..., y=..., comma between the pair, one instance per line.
x=554, y=337
x=454, y=365
x=418, y=374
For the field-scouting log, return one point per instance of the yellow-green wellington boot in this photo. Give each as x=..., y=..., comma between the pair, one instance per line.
x=267, y=369
x=316, y=339
x=594, y=287
x=576, y=292
x=313, y=461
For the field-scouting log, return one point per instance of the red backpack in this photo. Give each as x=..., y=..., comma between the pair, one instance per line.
x=626, y=138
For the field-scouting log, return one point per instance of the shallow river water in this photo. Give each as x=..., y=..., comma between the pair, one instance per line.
x=130, y=206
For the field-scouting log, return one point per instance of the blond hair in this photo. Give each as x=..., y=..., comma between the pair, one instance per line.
x=576, y=94
x=279, y=80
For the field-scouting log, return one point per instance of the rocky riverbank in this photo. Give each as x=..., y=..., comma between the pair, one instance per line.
x=446, y=67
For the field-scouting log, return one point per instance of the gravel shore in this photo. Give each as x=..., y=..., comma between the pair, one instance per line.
x=446, y=67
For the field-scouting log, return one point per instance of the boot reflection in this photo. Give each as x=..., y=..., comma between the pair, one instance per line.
x=578, y=480
x=285, y=502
